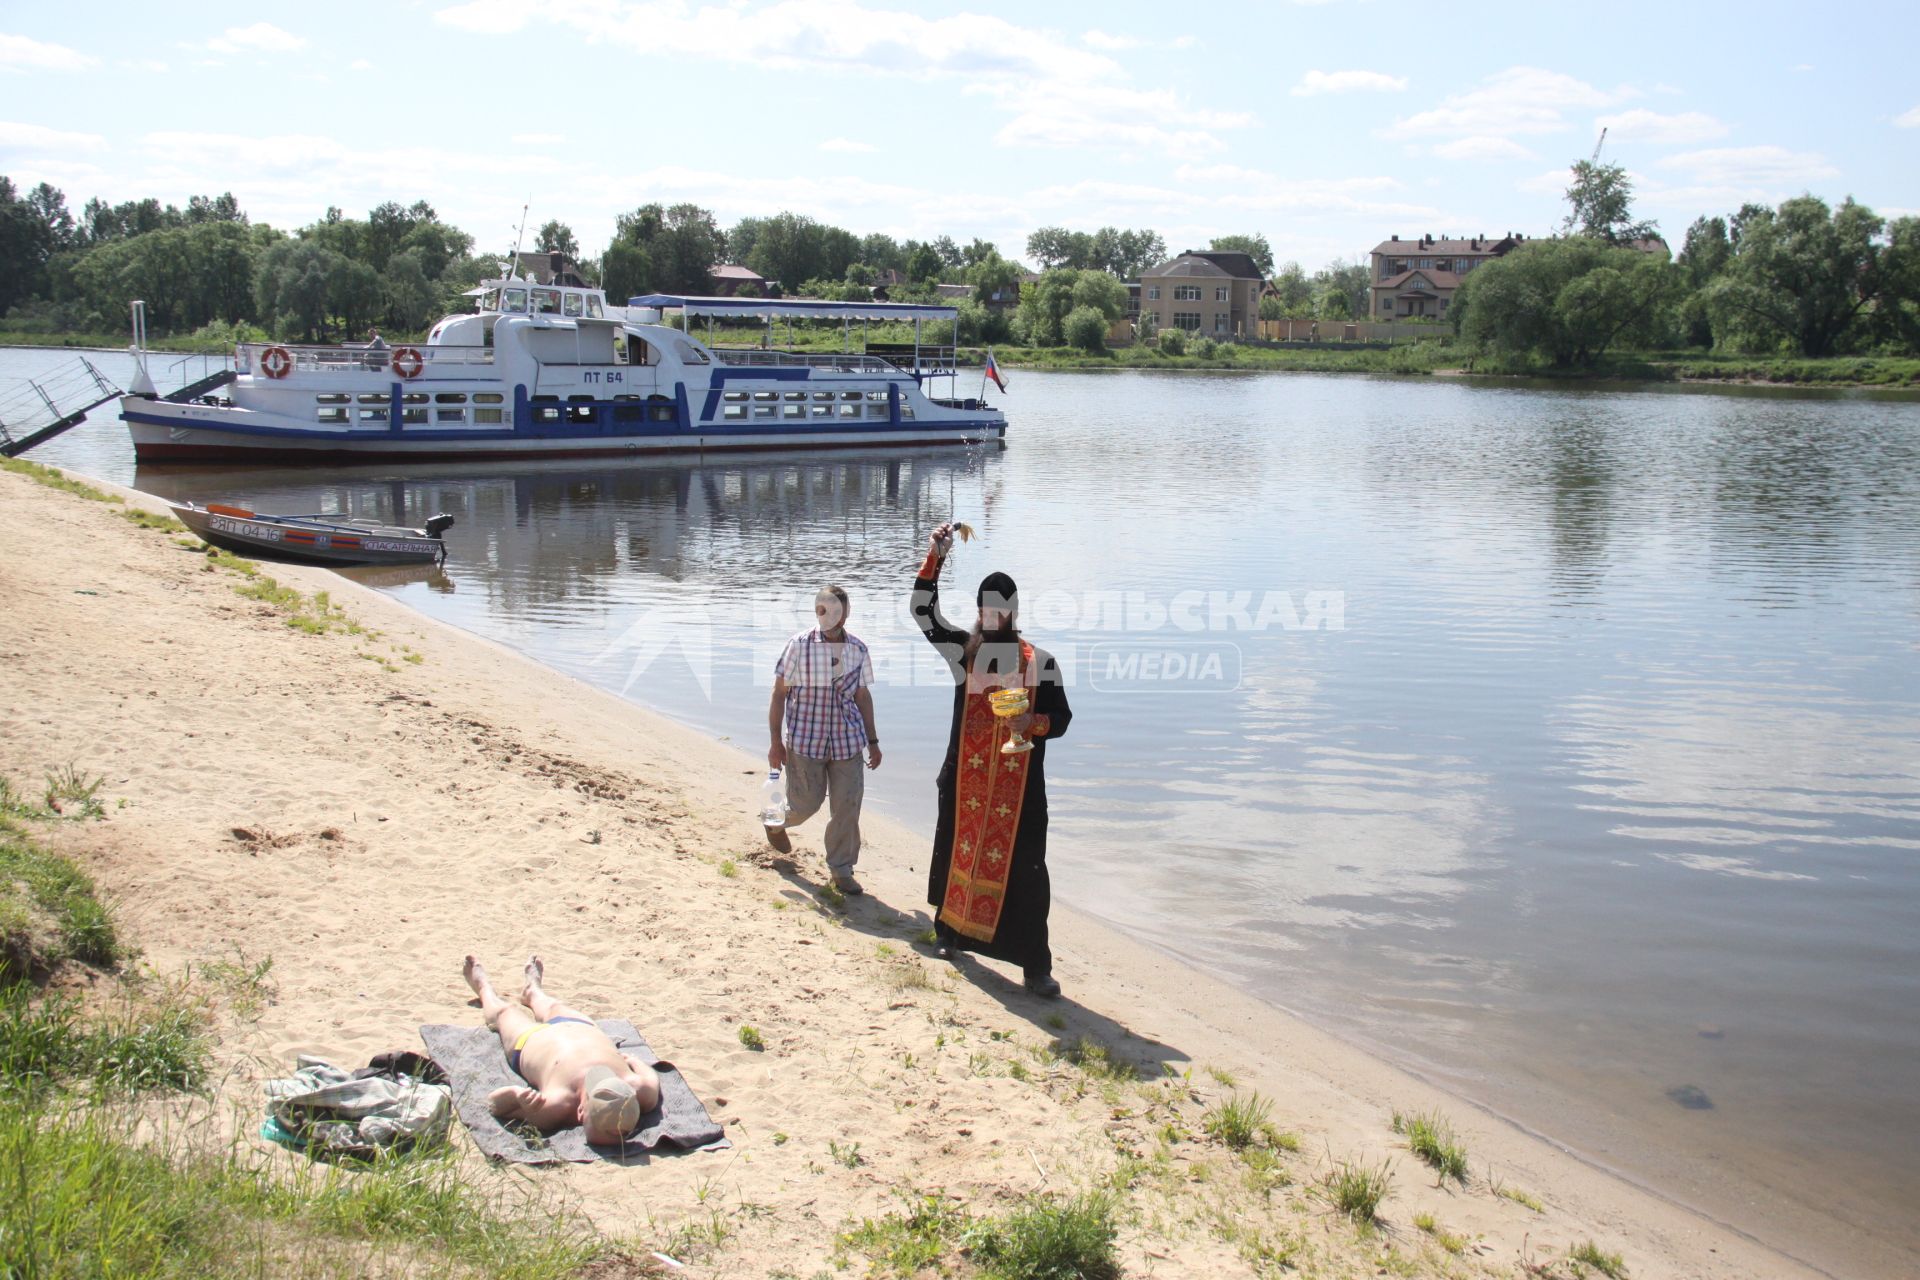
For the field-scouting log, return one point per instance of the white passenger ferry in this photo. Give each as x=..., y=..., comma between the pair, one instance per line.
x=552, y=371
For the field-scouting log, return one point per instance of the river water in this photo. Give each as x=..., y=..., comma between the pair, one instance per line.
x=1558, y=743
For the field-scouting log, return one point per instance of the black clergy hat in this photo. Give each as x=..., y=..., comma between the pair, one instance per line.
x=997, y=587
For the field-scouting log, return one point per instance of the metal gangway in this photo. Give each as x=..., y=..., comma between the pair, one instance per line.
x=36, y=410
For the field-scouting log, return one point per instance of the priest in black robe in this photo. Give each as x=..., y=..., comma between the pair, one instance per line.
x=988, y=883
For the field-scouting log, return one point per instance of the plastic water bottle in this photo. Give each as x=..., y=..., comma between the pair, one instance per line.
x=773, y=800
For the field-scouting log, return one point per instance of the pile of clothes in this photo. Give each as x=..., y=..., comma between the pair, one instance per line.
x=397, y=1101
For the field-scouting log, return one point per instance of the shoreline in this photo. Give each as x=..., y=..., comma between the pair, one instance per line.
x=1125, y=992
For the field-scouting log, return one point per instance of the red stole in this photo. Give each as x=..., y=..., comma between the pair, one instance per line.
x=989, y=790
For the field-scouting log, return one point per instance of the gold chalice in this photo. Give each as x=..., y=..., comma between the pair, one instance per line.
x=1008, y=703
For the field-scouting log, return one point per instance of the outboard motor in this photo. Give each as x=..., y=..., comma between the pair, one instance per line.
x=438, y=525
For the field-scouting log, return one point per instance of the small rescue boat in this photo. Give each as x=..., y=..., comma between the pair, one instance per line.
x=327, y=539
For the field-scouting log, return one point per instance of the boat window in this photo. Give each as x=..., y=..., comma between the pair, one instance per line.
x=796, y=395
x=734, y=411
x=546, y=413
x=734, y=395
x=581, y=413
x=879, y=396
x=766, y=395
x=662, y=412
x=490, y=300
x=849, y=395
x=823, y=411
x=638, y=352
x=331, y=398
x=849, y=410
x=796, y=410
x=876, y=410
x=450, y=397
x=414, y=397
x=487, y=417
x=373, y=399
x=546, y=302
x=581, y=399
x=513, y=300
x=573, y=304
x=332, y=415
x=593, y=306
x=450, y=415
x=823, y=395
x=906, y=410
x=413, y=415
x=373, y=415
x=487, y=397
x=688, y=352
x=763, y=411
x=546, y=399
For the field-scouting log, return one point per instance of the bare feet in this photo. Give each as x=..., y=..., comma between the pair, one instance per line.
x=536, y=971
x=476, y=975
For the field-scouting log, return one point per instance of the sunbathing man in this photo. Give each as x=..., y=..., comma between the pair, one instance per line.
x=577, y=1074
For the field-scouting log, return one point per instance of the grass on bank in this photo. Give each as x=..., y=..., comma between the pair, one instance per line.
x=49, y=914
x=1431, y=1137
x=54, y=478
x=1042, y=1238
x=1356, y=1190
x=81, y=1196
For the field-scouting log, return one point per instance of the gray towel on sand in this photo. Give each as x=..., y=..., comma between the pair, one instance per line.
x=476, y=1065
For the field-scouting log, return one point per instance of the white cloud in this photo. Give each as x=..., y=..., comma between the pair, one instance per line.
x=1057, y=93
x=18, y=53
x=539, y=139
x=486, y=17
x=1750, y=167
x=261, y=37
x=1641, y=125
x=845, y=144
x=1097, y=39
x=1115, y=117
x=35, y=137
x=1911, y=120
x=360, y=64
x=1551, y=183
x=1480, y=149
x=1519, y=100
x=1315, y=82
x=840, y=35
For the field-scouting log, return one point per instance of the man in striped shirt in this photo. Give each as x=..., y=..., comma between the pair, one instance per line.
x=821, y=720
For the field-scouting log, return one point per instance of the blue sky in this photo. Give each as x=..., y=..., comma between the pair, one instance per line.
x=1325, y=126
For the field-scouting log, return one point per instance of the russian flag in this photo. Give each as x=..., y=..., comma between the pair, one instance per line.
x=993, y=371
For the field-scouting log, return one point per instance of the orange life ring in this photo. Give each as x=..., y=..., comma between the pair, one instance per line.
x=408, y=362
x=276, y=362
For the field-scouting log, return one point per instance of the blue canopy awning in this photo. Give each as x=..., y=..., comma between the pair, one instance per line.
x=794, y=308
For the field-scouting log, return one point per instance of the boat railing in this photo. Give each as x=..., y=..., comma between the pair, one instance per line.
x=828, y=361
x=198, y=368
x=929, y=358
x=318, y=359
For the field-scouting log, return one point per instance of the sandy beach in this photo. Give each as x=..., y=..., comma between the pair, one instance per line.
x=367, y=808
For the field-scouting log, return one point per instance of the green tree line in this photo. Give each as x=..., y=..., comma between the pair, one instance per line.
x=1803, y=278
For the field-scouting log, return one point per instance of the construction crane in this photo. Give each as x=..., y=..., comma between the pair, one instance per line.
x=1595, y=157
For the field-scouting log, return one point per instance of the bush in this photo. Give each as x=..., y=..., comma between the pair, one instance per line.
x=48, y=911
x=1048, y=1240
x=1205, y=348
x=1173, y=342
x=1086, y=329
